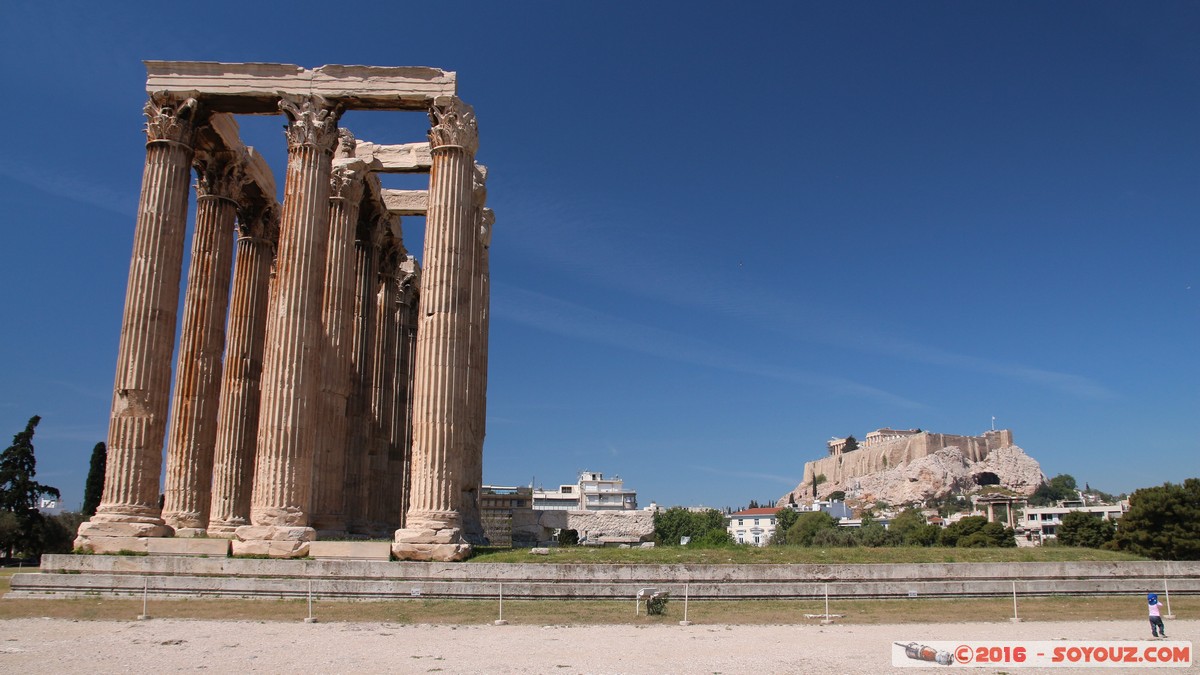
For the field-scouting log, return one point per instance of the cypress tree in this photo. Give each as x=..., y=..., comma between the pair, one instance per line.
x=94, y=488
x=20, y=494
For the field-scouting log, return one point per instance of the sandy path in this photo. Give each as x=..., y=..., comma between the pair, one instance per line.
x=168, y=645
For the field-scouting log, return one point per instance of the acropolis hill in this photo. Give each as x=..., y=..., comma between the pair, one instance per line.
x=903, y=466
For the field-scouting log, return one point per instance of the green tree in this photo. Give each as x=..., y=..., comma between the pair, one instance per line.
x=704, y=527
x=851, y=444
x=20, y=494
x=976, y=532
x=93, y=490
x=568, y=537
x=837, y=496
x=909, y=528
x=807, y=526
x=1163, y=522
x=783, y=520
x=1057, y=489
x=1080, y=528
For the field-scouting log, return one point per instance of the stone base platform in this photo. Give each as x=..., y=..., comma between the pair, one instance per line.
x=215, y=577
x=350, y=550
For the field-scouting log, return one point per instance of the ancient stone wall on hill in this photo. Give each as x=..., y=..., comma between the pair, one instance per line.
x=920, y=467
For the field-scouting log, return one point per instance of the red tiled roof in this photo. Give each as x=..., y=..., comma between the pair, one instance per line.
x=765, y=511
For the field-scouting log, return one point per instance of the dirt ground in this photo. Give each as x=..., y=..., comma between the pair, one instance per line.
x=175, y=645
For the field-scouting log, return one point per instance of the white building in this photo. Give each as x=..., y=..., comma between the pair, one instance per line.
x=593, y=492
x=1041, y=523
x=752, y=526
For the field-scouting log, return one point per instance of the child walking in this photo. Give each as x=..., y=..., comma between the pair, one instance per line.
x=1156, y=622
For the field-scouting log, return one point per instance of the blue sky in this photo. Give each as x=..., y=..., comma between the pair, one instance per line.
x=725, y=232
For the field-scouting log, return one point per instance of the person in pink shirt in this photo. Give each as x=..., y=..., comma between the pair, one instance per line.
x=1156, y=622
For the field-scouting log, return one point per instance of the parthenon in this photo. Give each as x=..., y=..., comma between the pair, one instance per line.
x=326, y=385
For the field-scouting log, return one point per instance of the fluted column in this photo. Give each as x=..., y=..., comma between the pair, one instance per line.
x=407, y=320
x=337, y=312
x=367, y=241
x=129, y=507
x=382, y=410
x=477, y=366
x=281, y=500
x=192, y=431
x=237, y=416
x=433, y=527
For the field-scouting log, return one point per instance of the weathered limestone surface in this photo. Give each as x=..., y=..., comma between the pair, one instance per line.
x=916, y=468
x=137, y=425
x=406, y=202
x=303, y=415
x=433, y=526
x=237, y=417
x=382, y=407
x=257, y=87
x=192, y=430
x=368, y=240
x=594, y=526
x=405, y=158
x=338, y=319
x=282, y=494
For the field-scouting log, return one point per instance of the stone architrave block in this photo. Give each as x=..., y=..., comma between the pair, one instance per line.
x=255, y=88
x=406, y=202
x=404, y=158
x=350, y=550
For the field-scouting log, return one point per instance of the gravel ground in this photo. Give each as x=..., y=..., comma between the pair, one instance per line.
x=173, y=645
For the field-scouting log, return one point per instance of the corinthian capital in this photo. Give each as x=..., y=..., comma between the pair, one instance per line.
x=259, y=220
x=346, y=182
x=453, y=124
x=169, y=118
x=219, y=174
x=312, y=121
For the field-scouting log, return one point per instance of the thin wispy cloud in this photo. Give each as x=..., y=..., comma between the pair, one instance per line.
x=62, y=184
x=561, y=317
x=731, y=295
x=789, y=481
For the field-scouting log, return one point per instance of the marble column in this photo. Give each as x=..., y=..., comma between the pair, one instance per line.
x=382, y=410
x=433, y=526
x=192, y=430
x=477, y=365
x=367, y=242
x=281, y=500
x=130, y=506
x=407, y=319
x=237, y=416
x=477, y=389
x=337, y=312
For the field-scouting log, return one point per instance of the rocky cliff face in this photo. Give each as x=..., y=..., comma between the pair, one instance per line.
x=891, y=473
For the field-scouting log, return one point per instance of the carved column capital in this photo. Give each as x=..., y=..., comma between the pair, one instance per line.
x=346, y=182
x=259, y=220
x=453, y=124
x=219, y=175
x=346, y=144
x=312, y=121
x=389, y=257
x=171, y=119
x=408, y=281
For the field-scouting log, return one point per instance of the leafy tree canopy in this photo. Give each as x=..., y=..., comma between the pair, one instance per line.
x=1080, y=528
x=1163, y=522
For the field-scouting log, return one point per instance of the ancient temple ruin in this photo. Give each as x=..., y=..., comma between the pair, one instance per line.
x=326, y=384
